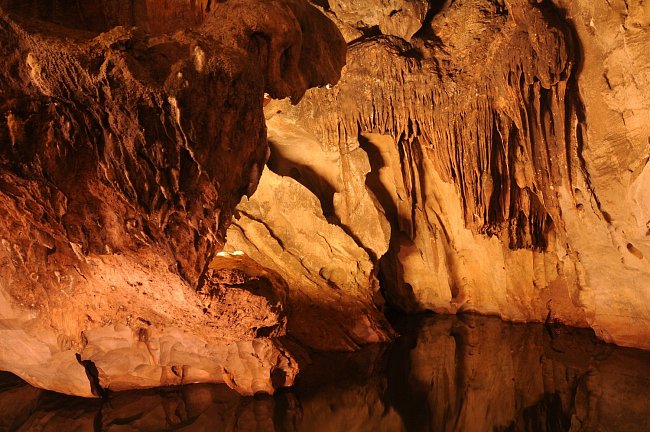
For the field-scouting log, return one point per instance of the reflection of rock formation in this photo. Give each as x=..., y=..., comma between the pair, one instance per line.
x=193, y=408
x=123, y=151
x=469, y=374
x=479, y=374
x=504, y=141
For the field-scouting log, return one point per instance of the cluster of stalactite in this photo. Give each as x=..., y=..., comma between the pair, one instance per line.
x=496, y=116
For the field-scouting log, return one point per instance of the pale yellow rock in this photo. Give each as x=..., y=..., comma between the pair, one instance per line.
x=338, y=177
x=609, y=227
x=153, y=358
x=330, y=278
x=356, y=207
x=510, y=155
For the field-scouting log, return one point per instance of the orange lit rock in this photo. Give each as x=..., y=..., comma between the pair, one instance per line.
x=508, y=144
x=128, y=133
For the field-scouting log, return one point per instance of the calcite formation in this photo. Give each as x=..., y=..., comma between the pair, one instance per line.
x=483, y=156
x=331, y=285
x=128, y=133
x=505, y=142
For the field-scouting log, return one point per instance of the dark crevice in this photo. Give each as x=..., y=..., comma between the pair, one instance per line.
x=325, y=4
x=266, y=331
x=426, y=31
x=368, y=34
x=93, y=376
x=98, y=421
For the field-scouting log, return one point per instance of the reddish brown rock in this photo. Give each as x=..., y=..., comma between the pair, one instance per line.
x=128, y=133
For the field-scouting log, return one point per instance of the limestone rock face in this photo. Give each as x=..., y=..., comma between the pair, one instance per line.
x=392, y=17
x=609, y=225
x=330, y=278
x=128, y=133
x=506, y=144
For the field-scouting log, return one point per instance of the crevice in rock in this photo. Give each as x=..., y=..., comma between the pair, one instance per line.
x=426, y=32
x=367, y=34
x=322, y=3
x=93, y=377
x=98, y=420
x=307, y=176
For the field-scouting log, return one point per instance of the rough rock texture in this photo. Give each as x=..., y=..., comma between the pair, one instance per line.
x=362, y=17
x=323, y=230
x=128, y=133
x=487, y=156
x=507, y=144
x=330, y=278
x=611, y=228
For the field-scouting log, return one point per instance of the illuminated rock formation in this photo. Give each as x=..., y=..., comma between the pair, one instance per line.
x=485, y=156
x=507, y=144
x=128, y=133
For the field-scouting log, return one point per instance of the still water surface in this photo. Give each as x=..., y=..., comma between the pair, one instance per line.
x=444, y=374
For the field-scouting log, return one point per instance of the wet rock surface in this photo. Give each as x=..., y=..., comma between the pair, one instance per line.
x=128, y=133
x=504, y=143
x=445, y=373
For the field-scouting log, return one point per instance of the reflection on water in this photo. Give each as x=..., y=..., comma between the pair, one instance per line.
x=445, y=374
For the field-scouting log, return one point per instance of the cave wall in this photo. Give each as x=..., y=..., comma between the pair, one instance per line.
x=481, y=156
x=506, y=144
x=610, y=229
x=129, y=131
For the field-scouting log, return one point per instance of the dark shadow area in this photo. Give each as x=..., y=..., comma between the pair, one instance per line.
x=366, y=35
x=445, y=373
x=373, y=181
x=306, y=176
x=426, y=32
x=325, y=4
x=395, y=290
x=100, y=16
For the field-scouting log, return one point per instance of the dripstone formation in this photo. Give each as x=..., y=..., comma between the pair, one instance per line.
x=486, y=156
